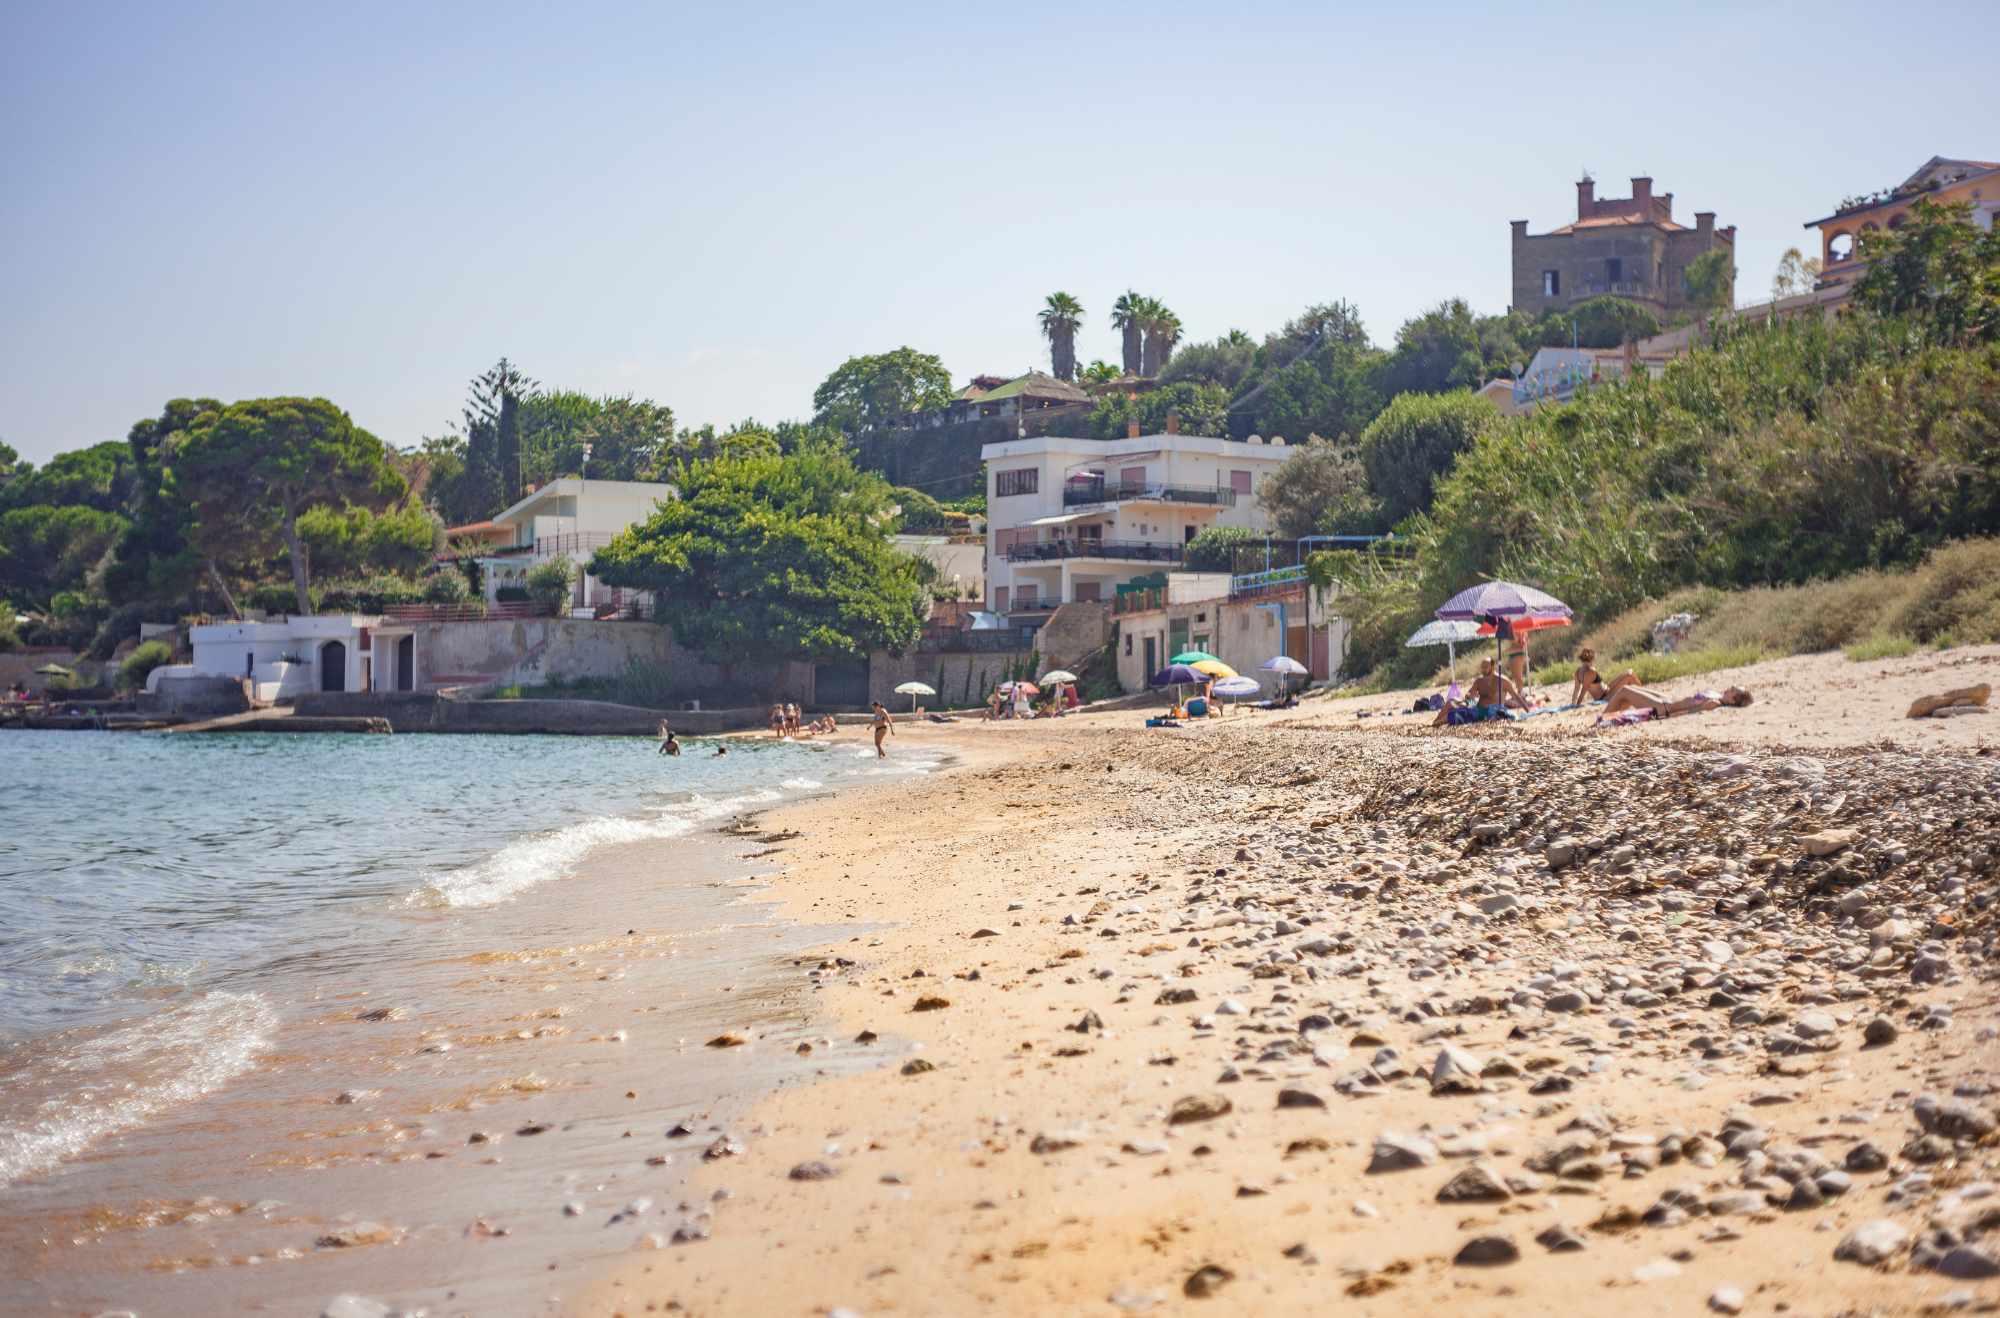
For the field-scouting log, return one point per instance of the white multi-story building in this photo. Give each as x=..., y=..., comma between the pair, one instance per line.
x=569, y=517
x=1073, y=519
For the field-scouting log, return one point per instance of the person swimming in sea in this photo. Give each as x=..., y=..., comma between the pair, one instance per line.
x=672, y=745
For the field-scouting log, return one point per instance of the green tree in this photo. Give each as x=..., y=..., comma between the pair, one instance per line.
x=1160, y=329
x=494, y=409
x=1710, y=281
x=157, y=560
x=1599, y=322
x=11, y=466
x=551, y=581
x=774, y=557
x=252, y=469
x=1436, y=351
x=46, y=550
x=1939, y=267
x=1098, y=372
x=100, y=477
x=1797, y=274
x=1332, y=391
x=920, y=512
x=1320, y=490
x=1061, y=317
x=342, y=542
x=10, y=628
x=866, y=391
x=629, y=439
x=1128, y=318
x=1227, y=362
x=1414, y=442
x=139, y=664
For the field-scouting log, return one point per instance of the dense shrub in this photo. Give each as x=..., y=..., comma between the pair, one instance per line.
x=365, y=595
x=141, y=662
x=271, y=597
x=1214, y=550
x=446, y=587
x=10, y=628
x=1414, y=442
x=549, y=582
x=511, y=595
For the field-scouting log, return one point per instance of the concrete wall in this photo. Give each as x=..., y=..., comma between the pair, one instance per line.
x=422, y=712
x=961, y=678
x=195, y=695
x=538, y=651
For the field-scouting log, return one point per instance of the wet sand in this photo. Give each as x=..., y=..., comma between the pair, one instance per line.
x=463, y=1136
x=1287, y=1011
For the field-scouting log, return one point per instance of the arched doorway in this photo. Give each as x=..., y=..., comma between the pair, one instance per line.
x=333, y=666
x=406, y=664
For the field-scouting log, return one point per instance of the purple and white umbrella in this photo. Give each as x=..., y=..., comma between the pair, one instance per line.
x=1523, y=608
x=1501, y=599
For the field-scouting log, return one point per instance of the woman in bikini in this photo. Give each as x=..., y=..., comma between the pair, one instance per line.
x=884, y=727
x=1633, y=696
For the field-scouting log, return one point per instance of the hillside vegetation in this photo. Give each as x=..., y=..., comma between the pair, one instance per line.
x=1778, y=454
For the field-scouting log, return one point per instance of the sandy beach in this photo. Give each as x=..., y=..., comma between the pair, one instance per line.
x=1289, y=1010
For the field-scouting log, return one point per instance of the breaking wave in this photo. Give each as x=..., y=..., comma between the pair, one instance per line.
x=66, y=1091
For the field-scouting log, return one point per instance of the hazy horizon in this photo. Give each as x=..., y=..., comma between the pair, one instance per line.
x=714, y=209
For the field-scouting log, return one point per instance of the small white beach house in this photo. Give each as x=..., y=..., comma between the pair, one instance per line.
x=286, y=658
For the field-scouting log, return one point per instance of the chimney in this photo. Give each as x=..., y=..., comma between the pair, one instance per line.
x=1586, y=196
x=1642, y=195
x=1704, y=221
x=1173, y=422
x=1667, y=205
x=1728, y=235
x=1132, y=428
x=1520, y=228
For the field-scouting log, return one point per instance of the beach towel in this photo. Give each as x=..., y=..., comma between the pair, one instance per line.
x=1624, y=718
x=1464, y=714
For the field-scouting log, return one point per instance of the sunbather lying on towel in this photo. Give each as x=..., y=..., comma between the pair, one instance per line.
x=1658, y=705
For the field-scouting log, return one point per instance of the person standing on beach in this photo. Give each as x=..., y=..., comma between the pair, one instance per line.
x=885, y=726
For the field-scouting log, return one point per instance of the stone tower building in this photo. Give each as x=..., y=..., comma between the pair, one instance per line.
x=1629, y=247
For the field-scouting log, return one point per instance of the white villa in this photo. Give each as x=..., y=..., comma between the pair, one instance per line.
x=572, y=517
x=1073, y=519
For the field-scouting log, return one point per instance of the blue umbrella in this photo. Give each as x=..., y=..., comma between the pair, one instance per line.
x=1179, y=675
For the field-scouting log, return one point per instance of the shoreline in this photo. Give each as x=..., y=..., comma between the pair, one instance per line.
x=562, y=1030
x=1115, y=920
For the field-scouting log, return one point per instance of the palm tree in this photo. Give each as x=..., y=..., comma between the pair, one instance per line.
x=1161, y=329
x=1062, y=316
x=1125, y=317
x=1098, y=372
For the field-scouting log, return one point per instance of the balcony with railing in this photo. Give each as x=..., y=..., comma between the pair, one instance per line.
x=1091, y=490
x=1584, y=286
x=1136, y=551
x=577, y=546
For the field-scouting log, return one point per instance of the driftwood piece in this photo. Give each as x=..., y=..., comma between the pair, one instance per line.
x=1965, y=695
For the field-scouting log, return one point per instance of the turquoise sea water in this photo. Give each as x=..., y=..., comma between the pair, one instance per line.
x=162, y=898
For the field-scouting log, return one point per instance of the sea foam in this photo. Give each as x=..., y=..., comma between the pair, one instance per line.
x=84, y=1085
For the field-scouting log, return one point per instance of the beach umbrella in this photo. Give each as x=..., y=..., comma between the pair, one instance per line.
x=1285, y=667
x=53, y=670
x=1448, y=634
x=913, y=690
x=1059, y=675
x=1178, y=676
x=1236, y=688
x=1522, y=608
x=1024, y=684
x=1213, y=667
x=1190, y=657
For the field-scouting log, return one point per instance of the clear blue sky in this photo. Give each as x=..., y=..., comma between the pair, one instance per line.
x=714, y=208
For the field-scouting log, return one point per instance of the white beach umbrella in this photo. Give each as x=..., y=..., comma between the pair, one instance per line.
x=1058, y=675
x=1449, y=634
x=913, y=690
